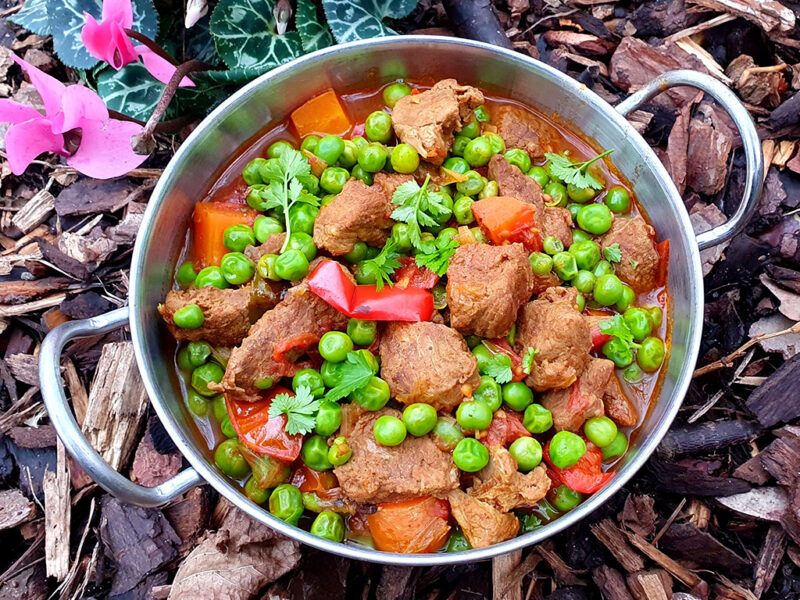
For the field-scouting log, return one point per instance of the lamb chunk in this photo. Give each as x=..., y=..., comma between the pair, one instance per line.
x=483, y=525
x=552, y=325
x=486, y=286
x=427, y=362
x=619, y=407
x=502, y=486
x=558, y=223
x=377, y=473
x=272, y=245
x=522, y=129
x=275, y=345
x=541, y=283
x=513, y=182
x=638, y=266
x=225, y=311
x=583, y=399
x=427, y=121
x=357, y=214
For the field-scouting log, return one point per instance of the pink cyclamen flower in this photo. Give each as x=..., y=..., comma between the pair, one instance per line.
x=104, y=150
x=108, y=41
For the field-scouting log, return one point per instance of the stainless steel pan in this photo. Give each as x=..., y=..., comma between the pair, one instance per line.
x=270, y=99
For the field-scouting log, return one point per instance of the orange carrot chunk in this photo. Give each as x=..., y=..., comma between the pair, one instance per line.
x=322, y=115
x=210, y=221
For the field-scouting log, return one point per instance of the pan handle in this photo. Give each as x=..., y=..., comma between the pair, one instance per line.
x=70, y=432
x=754, y=177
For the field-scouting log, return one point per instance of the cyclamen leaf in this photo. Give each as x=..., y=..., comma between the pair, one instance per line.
x=360, y=19
x=246, y=36
x=313, y=34
x=33, y=17
x=131, y=90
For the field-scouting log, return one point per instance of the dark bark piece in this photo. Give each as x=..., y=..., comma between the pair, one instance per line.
x=85, y=305
x=611, y=583
x=706, y=437
x=324, y=577
x=753, y=471
x=92, y=196
x=43, y=436
x=150, y=467
x=776, y=400
x=474, y=19
x=769, y=559
x=785, y=115
x=693, y=477
x=189, y=517
x=562, y=572
x=638, y=515
x=661, y=18
x=615, y=542
x=20, y=291
x=686, y=542
x=30, y=583
x=707, y=155
x=396, y=583
x=686, y=576
x=66, y=263
x=32, y=464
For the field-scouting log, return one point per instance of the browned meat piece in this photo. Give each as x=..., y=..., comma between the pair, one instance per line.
x=543, y=282
x=500, y=483
x=275, y=345
x=427, y=362
x=225, y=311
x=486, y=285
x=483, y=525
x=377, y=473
x=427, y=121
x=552, y=325
x=357, y=214
x=618, y=406
x=639, y=264
x=273, y=245
x=522, y=129
x=389, y=182
x=513, y=182
x=558, y=223
x=583, y=399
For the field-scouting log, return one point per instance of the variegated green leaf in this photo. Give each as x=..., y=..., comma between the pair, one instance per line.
x=246, y=37
x=33, y=17
x=313, y=33
x=359, y=19
x=131, y=90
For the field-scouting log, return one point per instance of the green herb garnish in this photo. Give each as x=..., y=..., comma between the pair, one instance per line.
x=417, y=207
x=300, y=410
x=612, y=253
x=437, y=254
x=499, y=368
x=575, y=173
x=527, y=360
x=383, y=265
x=356, y=373
x=617, y=327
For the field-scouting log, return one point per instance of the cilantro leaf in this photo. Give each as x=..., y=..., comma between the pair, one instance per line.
x=418, y=207
x=355, y=374
x=634, y=264
x=383, y=265
x=300, y=410
x=575, y=173
x=612, y=253
x=527, y=360
x=617, y=327
x=438, y=258
x=499, y=368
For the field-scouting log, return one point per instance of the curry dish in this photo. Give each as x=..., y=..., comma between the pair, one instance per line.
x=419, y=318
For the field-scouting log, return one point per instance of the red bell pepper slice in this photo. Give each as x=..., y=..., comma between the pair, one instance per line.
x=329, y=282
x=259, y=432
x=309, y=480
x=505, y=220
x=586, y=476
x=412, y=275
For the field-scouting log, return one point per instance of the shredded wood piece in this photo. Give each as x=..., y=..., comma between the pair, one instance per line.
x=504, y=585
x=767, y=14
x=682, y=573
x=57, y=517
x=718, y=20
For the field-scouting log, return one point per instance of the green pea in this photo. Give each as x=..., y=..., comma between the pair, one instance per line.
x=227, y=428
x=197, y=404
x=580, y=195
x=372, y=396
x=315, y=453
x=481, y=114
x=405, y=158
x=211, y=276
x=456, y=164
x=199, y=353
x=447, y=210
x=527, y=452
x=419, y=418
x=339, y=452
x=603, y=268
x=537, y=419
x=330, y=148
x=519, y=158
x=372, y=158
x=395, y=91
x=617, y=447
x=363, y=333
x=566, y=449
x=365, y=273
x=264, y=383
x=618, y=199
x=457, y=542
x=447, y=432
x=255, y=493
x=607, y=289
x=460, y=145
x=517, y=395
x=276, y=149
x=656, y=316
x=205, y=374
x=627, y=298
x=332, y=373
x=497, y=143
x=378, y=127
x=228, y=457
x=565, y=499
x=587, y=254
x=329, y=418
x=483, y=355
x=389, y=431
x=580, y=301
x=302, y=241
x=359, y=173
x=539, y=175
x=618, y=352
x=584, y=281
x=474, y=415
x=186, y=274
x=552, y=245
x=633, y=374
x=462, y=209
x=263, y=227
x=310, y=143
x=601, y=431
x=579, y=235
x=489, y=391
x=333, y=179
x=565, y=266
x=292, y=265
x=252, y=171
x=595, y=218
x=334, y=346
x=219, y=407
x=470, y=455
x=471, y=130
x=472, y=185
x=541, y=263
x=446, y=234
x=574, y=209
x=286, y=503
x=349, y=156
x=266, y=267
x=557, y=192
x=651, y=354
x=189, y=317
x=310, y=378
x=638, y=321
x=237, y=268
x=328, y=525
x=490, y=190
x=478, y=151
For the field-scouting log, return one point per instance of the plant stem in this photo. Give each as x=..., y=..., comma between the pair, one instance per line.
x=170, y=126
x=151, y=45
x=585, y=165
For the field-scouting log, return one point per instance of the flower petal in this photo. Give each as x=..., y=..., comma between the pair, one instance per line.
x=160, y=68
x=14, y=112
x=78, y=104
x=25, y=141
x=49, y=88
x=108, y=42
x=105, y=149
x=120, y=11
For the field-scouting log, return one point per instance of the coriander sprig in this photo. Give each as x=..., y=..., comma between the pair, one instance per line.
x=527, y=360
x=437, y=256
x=383, y=265
x=617, y=327
x=417, y=207
x=355, y=373
x=299, y=409
x=575, y=173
